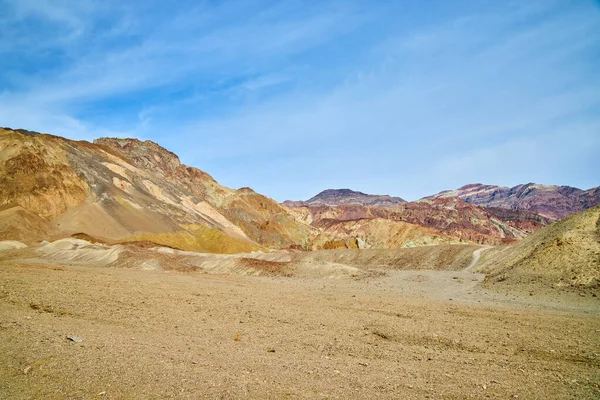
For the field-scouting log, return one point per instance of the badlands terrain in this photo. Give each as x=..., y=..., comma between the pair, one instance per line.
x=126, y=274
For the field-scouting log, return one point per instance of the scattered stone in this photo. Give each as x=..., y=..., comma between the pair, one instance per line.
x=27, y=369
x=270, y=350
x=75, y=339
x=363, y=364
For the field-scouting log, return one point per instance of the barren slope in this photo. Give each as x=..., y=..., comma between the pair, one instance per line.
x=128, y=190
x=433, y=221
x=378, y=233
x=564, y=255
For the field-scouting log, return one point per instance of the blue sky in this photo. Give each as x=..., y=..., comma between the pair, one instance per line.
x=292, y=97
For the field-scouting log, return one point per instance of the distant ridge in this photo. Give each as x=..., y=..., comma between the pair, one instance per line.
x=551, y=201
x=348, y=197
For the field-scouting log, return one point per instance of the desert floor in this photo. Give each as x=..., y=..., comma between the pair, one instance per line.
x=407, y=334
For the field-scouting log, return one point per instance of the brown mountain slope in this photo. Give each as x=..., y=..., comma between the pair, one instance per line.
x=36, y=174
x=128, y=190
x=260, y=218
x=459, y=219
x=378, y=233
x=448, y=220
x=16, y=223
x=565, y=254
x=550, y=201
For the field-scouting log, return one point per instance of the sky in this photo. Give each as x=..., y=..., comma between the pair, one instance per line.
x=405, y=98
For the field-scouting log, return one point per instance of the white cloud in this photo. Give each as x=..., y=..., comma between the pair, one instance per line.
x=288, y=97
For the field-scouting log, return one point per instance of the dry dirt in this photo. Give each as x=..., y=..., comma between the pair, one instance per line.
x=408, y=334
x=564, y=256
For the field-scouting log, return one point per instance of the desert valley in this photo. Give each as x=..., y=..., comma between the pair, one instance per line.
x=125, y=274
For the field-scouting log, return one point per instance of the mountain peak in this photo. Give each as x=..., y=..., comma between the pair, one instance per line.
x=334, y=197
x=146, y=155
x=337, y=192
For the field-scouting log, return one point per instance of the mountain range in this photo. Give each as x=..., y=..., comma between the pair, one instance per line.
x=555, y=202
x=550, y=201
x=127, y=190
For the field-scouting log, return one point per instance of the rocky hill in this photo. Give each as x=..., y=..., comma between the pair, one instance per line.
x=549, y=201
x=430, y=221
x=131, y=190
x=564, y=255
x=347, y=197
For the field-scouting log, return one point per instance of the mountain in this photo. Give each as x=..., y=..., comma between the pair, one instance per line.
x=128, y=190
x=564, y=255
x=429, y=221
x=123, y=190
x=347, y=197
x=555, y=202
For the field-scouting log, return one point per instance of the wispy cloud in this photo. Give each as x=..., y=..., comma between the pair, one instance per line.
x=294, y=97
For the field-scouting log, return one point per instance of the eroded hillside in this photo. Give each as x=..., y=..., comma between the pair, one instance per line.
x=565, y=255
x=129, y=190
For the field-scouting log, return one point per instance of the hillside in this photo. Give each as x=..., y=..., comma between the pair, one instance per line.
x=378, y=233
x=564, y=255
x=447, y=220
x=131, y=190
x=554, y=202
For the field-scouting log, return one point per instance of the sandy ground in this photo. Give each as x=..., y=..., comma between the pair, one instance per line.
x=408, y=334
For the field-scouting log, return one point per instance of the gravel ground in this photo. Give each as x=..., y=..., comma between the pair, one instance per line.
x=406, y=334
